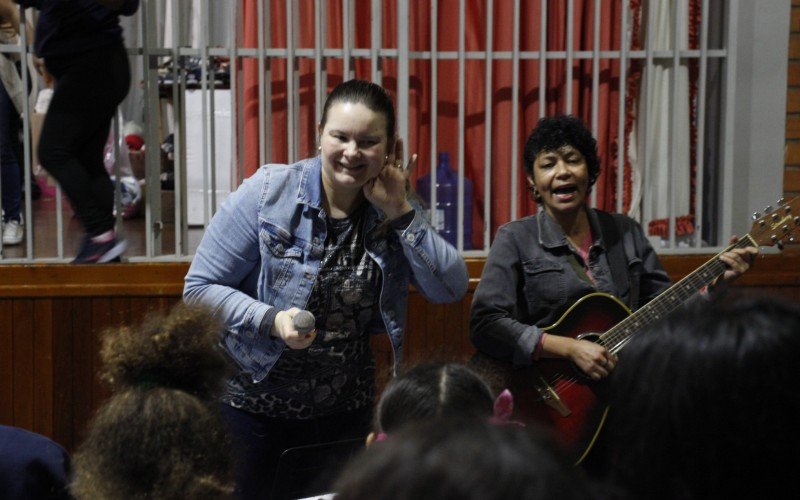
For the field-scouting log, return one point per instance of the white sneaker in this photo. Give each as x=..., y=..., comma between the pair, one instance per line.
x=13, y=232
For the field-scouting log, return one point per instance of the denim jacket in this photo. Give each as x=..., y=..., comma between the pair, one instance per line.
x=529, y=280
x=262, y=251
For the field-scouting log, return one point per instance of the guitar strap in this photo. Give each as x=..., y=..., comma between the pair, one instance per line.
x=616, y=256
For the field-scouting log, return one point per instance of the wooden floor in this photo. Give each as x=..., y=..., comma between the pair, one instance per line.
x=45, y=246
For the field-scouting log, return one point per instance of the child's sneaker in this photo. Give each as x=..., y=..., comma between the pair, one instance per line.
x=99, y=249
x=13, y=232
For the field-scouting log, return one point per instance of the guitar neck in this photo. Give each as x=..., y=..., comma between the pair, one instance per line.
x=669, y=300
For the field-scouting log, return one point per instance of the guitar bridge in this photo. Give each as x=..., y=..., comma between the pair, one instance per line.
x=551, y=398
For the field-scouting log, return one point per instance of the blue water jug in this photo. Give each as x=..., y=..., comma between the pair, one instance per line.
x=447, y=201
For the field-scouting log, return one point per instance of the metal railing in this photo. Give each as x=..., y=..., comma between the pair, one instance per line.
x=173, y=236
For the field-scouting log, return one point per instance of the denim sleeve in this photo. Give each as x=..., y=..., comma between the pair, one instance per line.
x=437, y=269
x=229, y=252
x=493, y=326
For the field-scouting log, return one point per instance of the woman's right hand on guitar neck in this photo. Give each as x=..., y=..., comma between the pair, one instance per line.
x=592, y=358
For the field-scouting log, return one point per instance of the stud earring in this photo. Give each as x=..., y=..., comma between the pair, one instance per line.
x=535, y=194
x=319, y=148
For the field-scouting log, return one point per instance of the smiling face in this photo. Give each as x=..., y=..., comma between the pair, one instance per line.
x=561, y=178
x=354, y=146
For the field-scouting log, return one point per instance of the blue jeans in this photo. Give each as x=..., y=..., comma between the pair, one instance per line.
x=9, y=164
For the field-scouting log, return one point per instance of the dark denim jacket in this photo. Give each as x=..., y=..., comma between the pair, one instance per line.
x=528, y=281
x=261, y=254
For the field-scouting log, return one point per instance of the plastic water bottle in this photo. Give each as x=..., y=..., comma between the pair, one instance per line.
x=447, y=201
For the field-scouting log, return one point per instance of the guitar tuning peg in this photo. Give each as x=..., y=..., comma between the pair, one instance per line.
x=781, y=200
x=768, y=209
x=756, y=215
x=779, y=244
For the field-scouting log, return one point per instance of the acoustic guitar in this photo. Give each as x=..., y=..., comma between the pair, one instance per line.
x=557, y=393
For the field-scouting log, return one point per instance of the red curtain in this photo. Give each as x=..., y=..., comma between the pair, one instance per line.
x=447, y=103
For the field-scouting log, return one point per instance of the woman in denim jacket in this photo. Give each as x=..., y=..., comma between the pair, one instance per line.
x=540, y=265
x=335, y=235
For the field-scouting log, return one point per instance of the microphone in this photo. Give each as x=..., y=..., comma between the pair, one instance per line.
x=303, y=322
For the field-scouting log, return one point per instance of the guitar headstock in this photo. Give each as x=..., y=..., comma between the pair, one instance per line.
x=777, y=226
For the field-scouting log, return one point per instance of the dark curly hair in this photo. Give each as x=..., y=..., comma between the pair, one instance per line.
x=554, y=132
x=160, y=434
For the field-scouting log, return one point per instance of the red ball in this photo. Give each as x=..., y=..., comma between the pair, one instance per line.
x=134, y=142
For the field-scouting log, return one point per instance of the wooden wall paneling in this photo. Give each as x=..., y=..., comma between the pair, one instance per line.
x=101, y=315
x=43, y=366
x=416, y=314
x=6, y=362
x=83, y=355
x=433, y=333
x=51, y=318
x=24, y=376
x=102, y=280
x=439, y=343
x=120, y=311
x=467, y=350
x=63, y=374
x=449, y=339
x=140, y=307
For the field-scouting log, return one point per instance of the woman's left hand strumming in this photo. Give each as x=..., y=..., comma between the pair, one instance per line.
x=388, y=191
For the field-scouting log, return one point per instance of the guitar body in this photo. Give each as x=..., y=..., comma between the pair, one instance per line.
x=572, y=410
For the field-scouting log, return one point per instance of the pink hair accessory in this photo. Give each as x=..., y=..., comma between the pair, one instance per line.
x=382, y=436
x=503, y=407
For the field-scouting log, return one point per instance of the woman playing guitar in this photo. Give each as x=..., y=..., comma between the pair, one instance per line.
x=538, y=266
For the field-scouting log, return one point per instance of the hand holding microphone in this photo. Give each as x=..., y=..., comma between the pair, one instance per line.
x=296, y=328
x=303, y=322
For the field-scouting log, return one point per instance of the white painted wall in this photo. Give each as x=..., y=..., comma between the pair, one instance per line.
x=760, y=120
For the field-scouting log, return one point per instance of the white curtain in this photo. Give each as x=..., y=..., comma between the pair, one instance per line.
x=652, y=175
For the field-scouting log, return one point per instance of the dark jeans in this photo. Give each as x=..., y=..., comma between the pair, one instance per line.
x=89, y=87
x=258, y=442
x=9, y=163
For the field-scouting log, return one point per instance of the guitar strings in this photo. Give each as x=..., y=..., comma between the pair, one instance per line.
x=672, y=298
x=617, y=336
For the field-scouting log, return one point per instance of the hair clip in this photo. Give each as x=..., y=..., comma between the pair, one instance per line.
x=503, y=407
